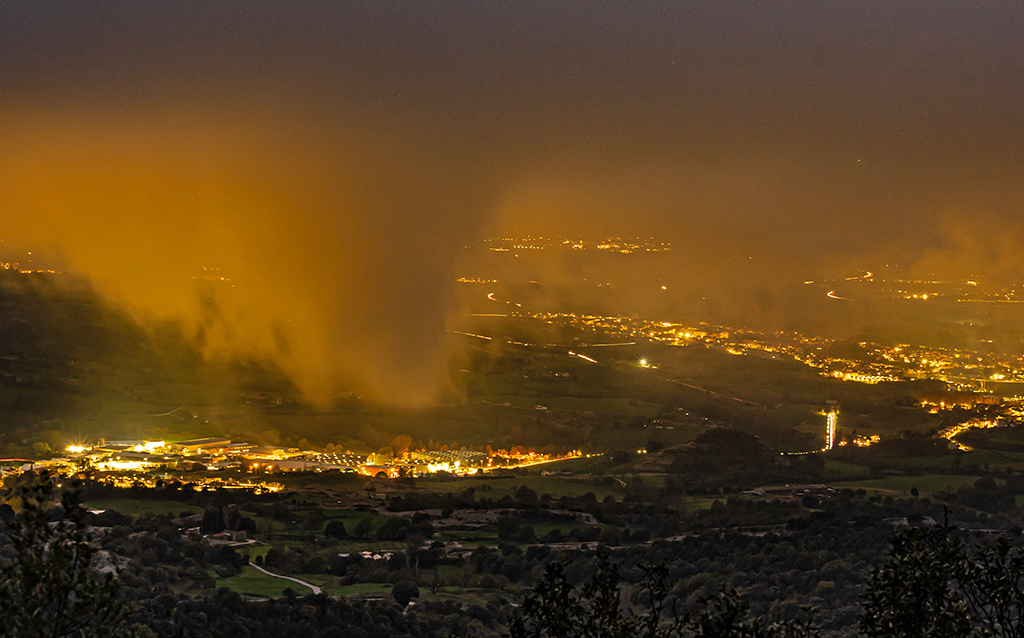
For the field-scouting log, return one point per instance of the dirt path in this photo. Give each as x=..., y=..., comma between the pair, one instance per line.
x=316, y=590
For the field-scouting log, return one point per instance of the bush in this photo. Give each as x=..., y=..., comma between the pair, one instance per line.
x=508, y=527
x=336, y=529
x=58, y=593
x=404, y=591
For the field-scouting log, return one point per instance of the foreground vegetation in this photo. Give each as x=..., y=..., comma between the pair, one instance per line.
x=636, y=570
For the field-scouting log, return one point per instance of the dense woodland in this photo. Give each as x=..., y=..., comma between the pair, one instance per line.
x=783, y=556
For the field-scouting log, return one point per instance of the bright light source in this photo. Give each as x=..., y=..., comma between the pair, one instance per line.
x=643, y=362
x=119, y=465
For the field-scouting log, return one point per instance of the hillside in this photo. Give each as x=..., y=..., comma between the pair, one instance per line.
x=724, y=456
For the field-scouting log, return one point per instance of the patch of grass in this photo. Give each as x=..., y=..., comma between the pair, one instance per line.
x=496, y=488
x=251, y=552
x=840, y=470
x=927, y=484
x=255, y=584
x=543, y=527
x=700, y=504
x=137, y=507
x=363, y=589
x=611, y=406
x=350, y=518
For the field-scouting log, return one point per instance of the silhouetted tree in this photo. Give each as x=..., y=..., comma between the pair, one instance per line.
x=336, y=529
x=213, y=521
x=559, y=609
x=404, y=591
x=933, y=584
x=49, y=587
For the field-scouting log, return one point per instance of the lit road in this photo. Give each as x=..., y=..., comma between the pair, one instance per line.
x=490, y=296
x=706, y=391
x=584, y=357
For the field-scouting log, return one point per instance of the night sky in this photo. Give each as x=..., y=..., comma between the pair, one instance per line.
x=331, y=158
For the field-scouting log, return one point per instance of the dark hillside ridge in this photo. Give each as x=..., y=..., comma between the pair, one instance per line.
x=65, y=351
x=726, y=456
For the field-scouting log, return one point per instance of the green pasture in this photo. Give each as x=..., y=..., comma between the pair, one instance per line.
x=250, y=552
x=254, y=583
x=296, y=523
x=577, y=465
x=994, y=438
x=927, y=484
x=842, y=470
x=699, y=504
x=366, y=589
x=611, y=406
x=326, y=582
x=627, y=438
x=676, y=433
x=350, y=518
x=139, y=507
x=544, y=527
x=975, y=460
x=496, y=488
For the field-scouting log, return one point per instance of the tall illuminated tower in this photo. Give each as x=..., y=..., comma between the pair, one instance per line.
x=830, y=430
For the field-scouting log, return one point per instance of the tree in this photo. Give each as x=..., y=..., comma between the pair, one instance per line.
x=508, y=527
x=404, y=591
x=435, y=582
x=934, y=584
x=363, y=528
x=526, y=495
x=558, y=609
x=911, y=594
x=336, y=529
x=400, y=445
x=213, y=521
x=49, y=588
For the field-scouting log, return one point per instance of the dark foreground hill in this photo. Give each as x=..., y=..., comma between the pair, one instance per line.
x=732, y=457
x=65, y=352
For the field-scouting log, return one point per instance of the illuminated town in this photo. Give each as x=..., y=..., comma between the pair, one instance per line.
x=147, y=463
x=621, y=245
x=960, y=368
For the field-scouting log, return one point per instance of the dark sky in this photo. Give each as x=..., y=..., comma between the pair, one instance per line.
x=331, y=157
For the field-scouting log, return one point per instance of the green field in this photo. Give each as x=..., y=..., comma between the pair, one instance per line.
x=254, y=583
x=495, y=488
x=615, y=407
x=137, y=507
x=841, y=470
x=927, y=484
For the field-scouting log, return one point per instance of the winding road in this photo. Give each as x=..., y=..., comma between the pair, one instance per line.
x=316, y=590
